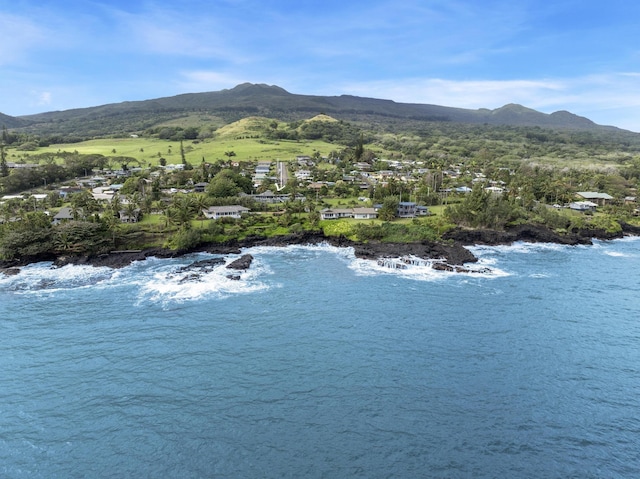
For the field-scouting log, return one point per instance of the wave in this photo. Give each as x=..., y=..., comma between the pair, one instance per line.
x=408, y=267
x=519, y=247
x=154, y=279
x=167, y=284
x=44, y=277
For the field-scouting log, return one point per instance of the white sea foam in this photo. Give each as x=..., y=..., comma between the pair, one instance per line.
x=519, y=247
x=43, y=277
x=341, y=252
x=167, y=283
x=617, y=254
x=406, y=267
x=423, y=270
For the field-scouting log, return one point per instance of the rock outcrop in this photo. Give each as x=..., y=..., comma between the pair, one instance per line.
x=244, y=262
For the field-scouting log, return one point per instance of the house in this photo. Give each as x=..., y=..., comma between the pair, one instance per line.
x=365, y=213
x=406, y=209
x=66, y=191
x=303, y=174
x=495, y=190
x=600, y=199
x=126, y=218
x=583, y=206
x=65, y=214
x=336, y=213
x=422, y=210
x=200, y=187
x=362, y=166
x=268, y=197
x=232, y=211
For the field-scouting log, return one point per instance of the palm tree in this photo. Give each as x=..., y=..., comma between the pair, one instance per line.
x=181, y=211
x=200, y=203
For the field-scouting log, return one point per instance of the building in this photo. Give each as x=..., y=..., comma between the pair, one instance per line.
x=600, y=199
x=200, y=187
x=232, y=211
x=132, y=216
x=269, y=197
x=65, y=214
x=583, y=206
x=365, y=213
x=406, y=209
x=336, y=213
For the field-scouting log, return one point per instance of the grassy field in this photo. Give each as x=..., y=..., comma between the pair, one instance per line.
x=150, y=150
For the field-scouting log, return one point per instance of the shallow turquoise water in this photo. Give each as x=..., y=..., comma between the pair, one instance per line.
x=316, y=364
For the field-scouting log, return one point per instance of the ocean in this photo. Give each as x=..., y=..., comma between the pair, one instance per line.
x=316, y=364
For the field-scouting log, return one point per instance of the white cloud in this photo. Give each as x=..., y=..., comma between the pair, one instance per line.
x=44, y=98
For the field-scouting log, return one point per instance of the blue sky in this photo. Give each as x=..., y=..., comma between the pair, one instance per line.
x=577, y=55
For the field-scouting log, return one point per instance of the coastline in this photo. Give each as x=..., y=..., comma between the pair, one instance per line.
x=452, y=251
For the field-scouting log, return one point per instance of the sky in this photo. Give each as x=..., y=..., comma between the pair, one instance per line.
x=582, y=56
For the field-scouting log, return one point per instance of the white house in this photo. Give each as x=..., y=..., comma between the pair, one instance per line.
x=583, y=206
x=216, y=212
x=365, y=213
x=336, y=213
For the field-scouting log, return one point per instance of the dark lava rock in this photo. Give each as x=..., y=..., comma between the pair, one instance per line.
x=203, y=266
x=528, y=233
x=244, y=262
x=234, y=277
x=452, y=253
x=196, y=269
x=630, y=229
x=10, y=271
x=442, y=267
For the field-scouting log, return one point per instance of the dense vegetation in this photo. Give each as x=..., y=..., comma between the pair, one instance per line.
x=531, y=168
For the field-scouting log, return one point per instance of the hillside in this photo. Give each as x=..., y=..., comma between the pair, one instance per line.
x=11, y=122
x=261, y=100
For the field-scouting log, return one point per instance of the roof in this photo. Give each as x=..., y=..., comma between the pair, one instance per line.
x=365, y=211
x=594, y=195
x=337, y=210
x=227, y=209
x=64, y=214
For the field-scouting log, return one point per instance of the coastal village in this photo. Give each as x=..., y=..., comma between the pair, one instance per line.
x=277, y=183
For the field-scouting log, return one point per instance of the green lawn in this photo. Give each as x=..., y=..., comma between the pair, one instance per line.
x=149, y=150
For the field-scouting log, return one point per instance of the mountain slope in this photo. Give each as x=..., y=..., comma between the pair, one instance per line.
x=274, y=102
x=11, y=121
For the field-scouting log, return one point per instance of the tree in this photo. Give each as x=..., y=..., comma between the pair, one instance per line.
x=222, y=186
x=182, y=155
x=359, y=150
x=229, y=154
x=389, y=208
x=181, y=211
x=4, y=168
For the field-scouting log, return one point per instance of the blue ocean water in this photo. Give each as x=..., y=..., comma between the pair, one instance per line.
x=316, y=364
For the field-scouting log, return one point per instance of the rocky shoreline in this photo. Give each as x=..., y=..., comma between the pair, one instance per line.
x=451, y=253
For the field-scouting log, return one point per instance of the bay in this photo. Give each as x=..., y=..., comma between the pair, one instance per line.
x=318, y=364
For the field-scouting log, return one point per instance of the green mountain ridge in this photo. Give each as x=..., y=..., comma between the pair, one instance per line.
x=272, y=101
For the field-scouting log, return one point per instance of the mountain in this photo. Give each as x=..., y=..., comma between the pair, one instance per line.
x=11, y=121
x=274, y=102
